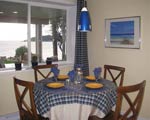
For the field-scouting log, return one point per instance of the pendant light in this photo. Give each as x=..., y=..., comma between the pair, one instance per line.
x=84, y=20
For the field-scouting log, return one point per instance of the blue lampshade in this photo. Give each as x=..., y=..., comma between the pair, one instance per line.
x=84, y=21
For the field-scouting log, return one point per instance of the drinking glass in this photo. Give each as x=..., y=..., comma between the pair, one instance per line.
x=55, y=78
x=97, y=77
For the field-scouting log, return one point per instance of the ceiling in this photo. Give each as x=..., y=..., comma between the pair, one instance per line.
x=7, y=14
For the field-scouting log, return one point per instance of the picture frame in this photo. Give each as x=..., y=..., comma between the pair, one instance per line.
x=123, y=32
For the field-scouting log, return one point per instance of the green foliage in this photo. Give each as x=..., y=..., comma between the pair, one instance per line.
x=18, y=60
x=7, y=61
x=20, y=51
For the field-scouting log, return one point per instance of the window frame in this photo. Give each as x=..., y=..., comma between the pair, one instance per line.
x=70, y=29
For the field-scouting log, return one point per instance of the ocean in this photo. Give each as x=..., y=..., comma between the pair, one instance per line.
x=7, y=48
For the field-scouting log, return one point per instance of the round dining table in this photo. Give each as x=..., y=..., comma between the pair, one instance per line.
x=74, y=101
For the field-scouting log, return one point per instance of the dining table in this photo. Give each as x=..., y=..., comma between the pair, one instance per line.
x=74, y=101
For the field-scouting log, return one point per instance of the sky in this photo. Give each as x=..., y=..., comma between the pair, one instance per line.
x=13, y=31
x=17, y=32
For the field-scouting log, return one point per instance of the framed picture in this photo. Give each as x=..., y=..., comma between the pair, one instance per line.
x=123, y=32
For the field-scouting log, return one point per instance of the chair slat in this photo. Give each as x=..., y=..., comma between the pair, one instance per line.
x=27, y=110
x=38, y=71
x=123, y=94
x=109, y=69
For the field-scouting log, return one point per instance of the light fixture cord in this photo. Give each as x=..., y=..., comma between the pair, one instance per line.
x=85, y=3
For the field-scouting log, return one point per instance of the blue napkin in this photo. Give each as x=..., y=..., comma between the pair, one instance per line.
x=71, y=75
x=79, y=66
x=55, y=71
x=97, y=72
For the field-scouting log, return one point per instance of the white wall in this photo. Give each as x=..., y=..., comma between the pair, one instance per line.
x=136, y=61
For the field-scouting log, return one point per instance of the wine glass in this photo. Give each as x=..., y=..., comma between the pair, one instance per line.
x=97, y=76
x=97, y=73
x=55, y=78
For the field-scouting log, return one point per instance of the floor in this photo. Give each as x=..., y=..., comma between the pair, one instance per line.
x=12, y=116
x=15, y=116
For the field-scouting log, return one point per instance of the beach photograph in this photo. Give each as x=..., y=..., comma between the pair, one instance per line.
x=122, y=32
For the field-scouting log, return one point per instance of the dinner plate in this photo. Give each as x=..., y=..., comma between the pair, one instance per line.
x=90, y=77
x=62, y=77
x=55, y=85
x=94, y=85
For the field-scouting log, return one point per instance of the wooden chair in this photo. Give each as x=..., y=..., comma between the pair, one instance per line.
x=134, y=105
x=38, y=71
x=27, y=110
x=116, y=73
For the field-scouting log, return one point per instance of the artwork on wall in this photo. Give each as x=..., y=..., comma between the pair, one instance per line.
x=123, y=32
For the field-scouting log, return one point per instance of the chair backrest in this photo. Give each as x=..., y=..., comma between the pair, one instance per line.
x=116, y=73
x=133, y=103
x=23, y=91
x=39, y=73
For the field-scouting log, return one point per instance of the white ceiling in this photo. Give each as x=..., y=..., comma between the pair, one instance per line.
x=67, y=2
x=9, y=7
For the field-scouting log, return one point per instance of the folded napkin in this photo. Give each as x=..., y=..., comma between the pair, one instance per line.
x=55, y=71
x=72, y=75
x=79, y=66
x=97, y=72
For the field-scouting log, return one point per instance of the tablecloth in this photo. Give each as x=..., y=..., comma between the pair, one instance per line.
x=95, y=101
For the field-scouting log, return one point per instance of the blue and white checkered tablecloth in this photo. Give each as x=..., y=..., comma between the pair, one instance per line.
x=45, y=98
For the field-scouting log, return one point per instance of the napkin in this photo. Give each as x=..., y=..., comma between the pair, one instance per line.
x=79, y=66
x=71, y=75
x=97, y=72
x=55, y=71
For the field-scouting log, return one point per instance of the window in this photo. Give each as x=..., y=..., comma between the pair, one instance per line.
x=28, y=29
x=49, y=28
